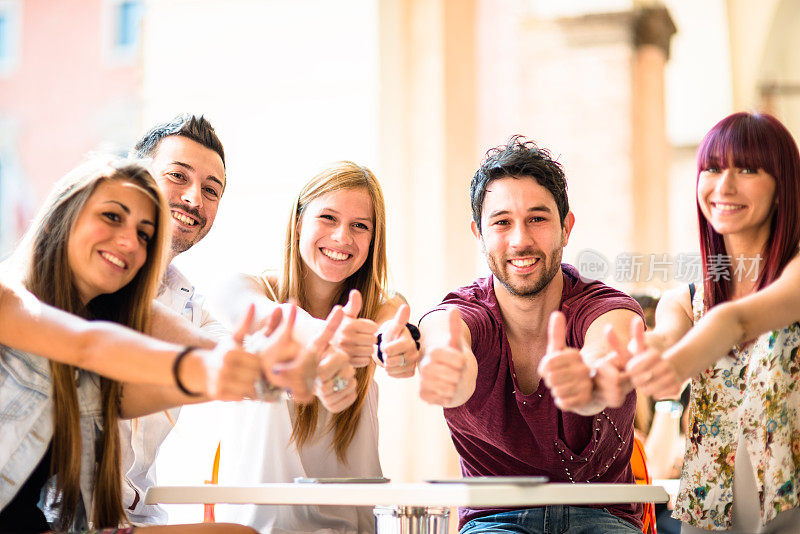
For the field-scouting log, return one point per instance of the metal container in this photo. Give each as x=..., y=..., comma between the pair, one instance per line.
x=411, y=520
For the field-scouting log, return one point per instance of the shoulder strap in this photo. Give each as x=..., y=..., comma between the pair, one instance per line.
x=270, y=291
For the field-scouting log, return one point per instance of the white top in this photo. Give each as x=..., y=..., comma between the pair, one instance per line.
x=256, y=448
x=141, y=438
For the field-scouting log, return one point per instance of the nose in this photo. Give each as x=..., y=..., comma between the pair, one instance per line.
x=727, y=182
x=127, y=239
x=342, y=234
x=192, y=195
x=519, y=237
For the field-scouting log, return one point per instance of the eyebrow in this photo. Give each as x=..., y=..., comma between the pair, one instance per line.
x=190, y=168
x=368, y=219
x=542, y=207
x=127, y=211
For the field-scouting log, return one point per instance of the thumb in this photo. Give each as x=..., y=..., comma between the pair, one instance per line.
x=399, y=322
x=556, y=332
x=454, y=319
x=245, y=324
x=353, y=306
x=288, y=322
x=616, y=345
x=637, y=336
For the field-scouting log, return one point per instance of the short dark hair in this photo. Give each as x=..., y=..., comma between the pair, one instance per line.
x=185, y=125
x=519, y=158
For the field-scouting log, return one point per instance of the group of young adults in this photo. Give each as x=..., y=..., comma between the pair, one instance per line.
x=102, y=340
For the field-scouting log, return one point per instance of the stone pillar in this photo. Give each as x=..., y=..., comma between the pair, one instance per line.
x=427, y=154
x=652, y=31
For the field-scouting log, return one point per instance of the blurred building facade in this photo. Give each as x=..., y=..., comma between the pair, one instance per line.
x=621, y=90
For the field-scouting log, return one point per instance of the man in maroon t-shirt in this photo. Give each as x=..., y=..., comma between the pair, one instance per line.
x=523, y=397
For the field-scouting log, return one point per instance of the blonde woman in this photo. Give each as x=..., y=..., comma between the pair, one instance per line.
x=335, y=256
x=96, y=252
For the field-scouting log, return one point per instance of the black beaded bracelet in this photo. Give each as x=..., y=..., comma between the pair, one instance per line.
x=415, y=335
x=176, y=368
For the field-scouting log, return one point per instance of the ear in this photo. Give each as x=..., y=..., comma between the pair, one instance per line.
x=566, y=229
x=474, y=227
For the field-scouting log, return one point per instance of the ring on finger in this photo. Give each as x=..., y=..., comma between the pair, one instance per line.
x=339, y=383
x=403, y=359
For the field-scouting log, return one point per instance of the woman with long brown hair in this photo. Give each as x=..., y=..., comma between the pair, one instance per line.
x=335, y=256
x=95, y=251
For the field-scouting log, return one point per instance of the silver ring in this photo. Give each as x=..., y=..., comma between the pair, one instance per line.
x=403, y=360
x=339, y=383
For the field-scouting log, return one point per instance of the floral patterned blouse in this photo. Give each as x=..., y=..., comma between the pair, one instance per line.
x=753, y=389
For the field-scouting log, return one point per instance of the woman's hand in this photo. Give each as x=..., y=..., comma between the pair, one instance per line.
x=650, y=371
x=335, y=384
x=399, y=349
x=356, y=336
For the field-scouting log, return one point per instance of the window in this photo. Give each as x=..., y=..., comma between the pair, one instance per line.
x=123, y=23
x=9, y=35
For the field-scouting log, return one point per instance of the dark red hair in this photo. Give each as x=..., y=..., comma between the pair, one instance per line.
x=756, y=141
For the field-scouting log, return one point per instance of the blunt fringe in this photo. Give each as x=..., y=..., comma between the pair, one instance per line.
x=757, y=141
x=519, y=158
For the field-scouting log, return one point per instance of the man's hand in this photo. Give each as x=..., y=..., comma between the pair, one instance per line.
x=400, y=354
x=355, y=336
x=563, y=369
x=442, y=368
x=651, y=372
x=284, y=362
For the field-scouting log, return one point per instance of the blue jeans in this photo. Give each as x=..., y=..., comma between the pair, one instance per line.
x=551, y=520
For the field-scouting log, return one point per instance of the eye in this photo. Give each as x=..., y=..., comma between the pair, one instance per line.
x=501, y=222
x=746, y=170
x=712, y=170
x=144, y=236
x=361, y=226
x=176, y=176
x=111, y=216
x=538, y=219
x=327, y=216
x=211, y=192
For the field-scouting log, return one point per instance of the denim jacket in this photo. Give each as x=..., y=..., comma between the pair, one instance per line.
x=26, y=423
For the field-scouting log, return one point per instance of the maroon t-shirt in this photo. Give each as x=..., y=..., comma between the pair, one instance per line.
x=500, y=431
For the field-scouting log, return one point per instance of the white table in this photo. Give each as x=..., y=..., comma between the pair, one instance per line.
x=418, y=507
x=411, y=494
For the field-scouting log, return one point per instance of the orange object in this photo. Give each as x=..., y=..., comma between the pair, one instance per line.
x=639, y=467
x=208, y=509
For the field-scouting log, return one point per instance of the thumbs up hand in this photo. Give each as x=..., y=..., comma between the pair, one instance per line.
x=443, y=370
x=563, y=370
x=612, y=383
x=231, y=371
x=399, y=349
x=356, y=336
x=651, y=371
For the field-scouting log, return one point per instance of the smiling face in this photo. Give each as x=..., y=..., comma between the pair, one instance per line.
x=335, y=233
x=737, y=201
x=192, y=178
x=108, y=242
x=522, y=236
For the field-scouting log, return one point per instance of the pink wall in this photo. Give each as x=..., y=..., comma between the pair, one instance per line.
x=62, y=85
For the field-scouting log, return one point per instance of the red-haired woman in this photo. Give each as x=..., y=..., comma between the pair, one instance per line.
x=737, y=335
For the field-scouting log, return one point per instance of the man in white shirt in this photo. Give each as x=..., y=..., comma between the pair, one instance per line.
x=188, y=162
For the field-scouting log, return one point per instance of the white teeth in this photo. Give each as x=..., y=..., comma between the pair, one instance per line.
x=332, y=254
x=526, y=262
x=113, y=259
x=183, y=218
x=727, y=207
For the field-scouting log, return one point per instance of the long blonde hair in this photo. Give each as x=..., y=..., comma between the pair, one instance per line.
x=47, y=274
x=370, y=280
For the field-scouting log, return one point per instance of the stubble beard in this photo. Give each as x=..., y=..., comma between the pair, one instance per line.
x=534, y=287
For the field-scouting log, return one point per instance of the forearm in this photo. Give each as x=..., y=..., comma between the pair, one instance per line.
x=142, y=399
x=712, y=338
